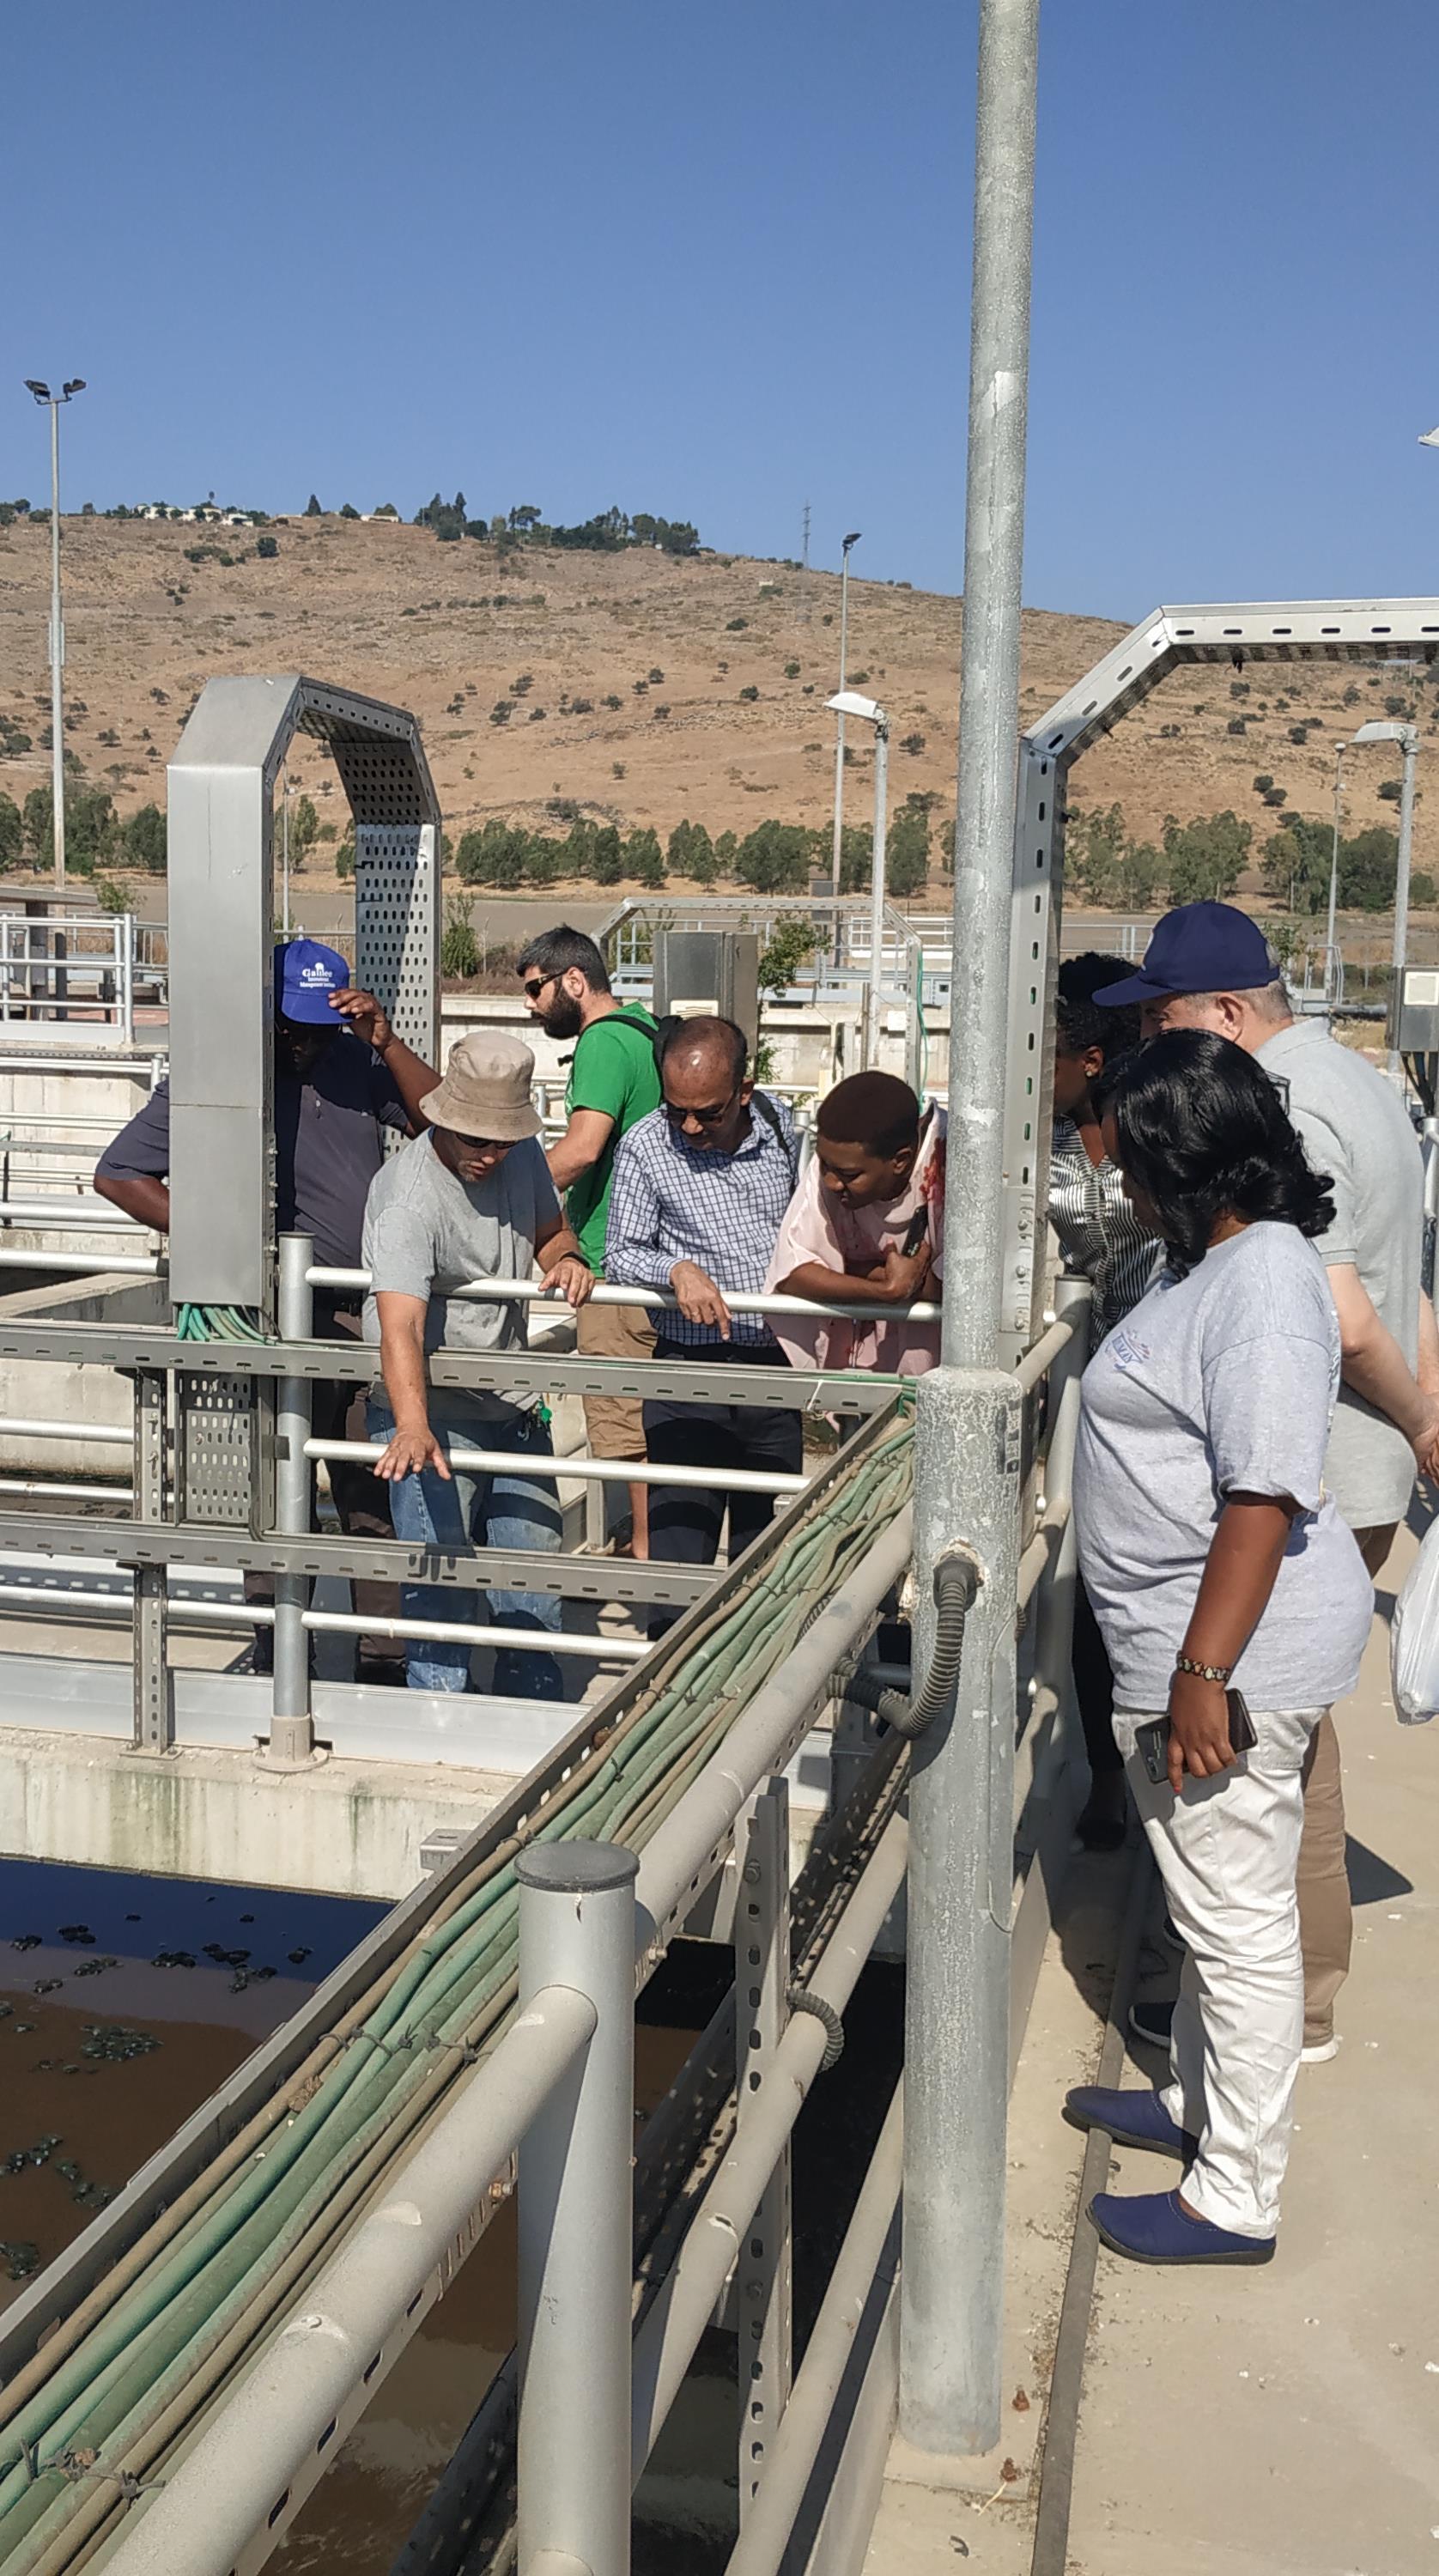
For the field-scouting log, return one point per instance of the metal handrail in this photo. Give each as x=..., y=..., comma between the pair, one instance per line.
x=617, y=1471
x=740, y=1301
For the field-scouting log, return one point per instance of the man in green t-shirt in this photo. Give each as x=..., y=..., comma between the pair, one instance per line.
x=614, y=1081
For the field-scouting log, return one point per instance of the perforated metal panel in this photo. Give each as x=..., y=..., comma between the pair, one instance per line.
x=222, y=910
x=224, y=1460
x=397, y=927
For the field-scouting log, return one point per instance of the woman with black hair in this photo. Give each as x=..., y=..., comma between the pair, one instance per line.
x=1234, y=1606
x=1103, y=1240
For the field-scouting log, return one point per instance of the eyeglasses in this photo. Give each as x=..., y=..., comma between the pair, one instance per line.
x=701, y=1117
x=534, y=990
x=484, y=1144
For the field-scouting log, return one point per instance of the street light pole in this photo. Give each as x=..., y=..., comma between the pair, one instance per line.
x=42, y=394
x=1401, y=879
x=848, y=702
x=1339, y=750
x=1407, y=737
x=851, y=540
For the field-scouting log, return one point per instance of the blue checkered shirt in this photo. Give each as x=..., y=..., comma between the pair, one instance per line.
x=669, y=1203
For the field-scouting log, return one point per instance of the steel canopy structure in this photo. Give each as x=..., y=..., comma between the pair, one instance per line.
x=222, y=930
x=1322, y=630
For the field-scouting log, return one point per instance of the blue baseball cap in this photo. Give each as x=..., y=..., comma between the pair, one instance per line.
x=305, y=976
x=1198, y=948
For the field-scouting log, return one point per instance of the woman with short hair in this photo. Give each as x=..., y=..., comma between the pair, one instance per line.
x=1230, y=1597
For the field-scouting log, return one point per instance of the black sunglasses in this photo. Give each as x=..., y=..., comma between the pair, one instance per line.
x=534, y=990
x=702, y=1117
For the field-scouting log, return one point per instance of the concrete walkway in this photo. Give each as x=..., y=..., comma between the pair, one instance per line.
x=1282, y=2422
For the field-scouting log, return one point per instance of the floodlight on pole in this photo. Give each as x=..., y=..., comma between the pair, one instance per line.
x=73, y=385
x=848, y=702
x=845, y=544
x=1407, y=736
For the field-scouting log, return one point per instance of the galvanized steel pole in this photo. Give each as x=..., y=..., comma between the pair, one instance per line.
x=876, y=883
x=292, y=1741
x=577, y=1929
x=1410, y=740
x=57, y=656
x=967, y=1466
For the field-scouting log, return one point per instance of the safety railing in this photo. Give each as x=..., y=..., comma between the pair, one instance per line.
x=600, y=2363
x=72, y=967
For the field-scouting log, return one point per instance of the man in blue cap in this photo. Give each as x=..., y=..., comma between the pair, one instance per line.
x=1208, y=966
x=341, y=1076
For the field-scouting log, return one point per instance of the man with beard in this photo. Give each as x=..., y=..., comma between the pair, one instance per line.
x=614, y=1082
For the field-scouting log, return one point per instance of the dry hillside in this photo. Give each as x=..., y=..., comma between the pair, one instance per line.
x=453, y=631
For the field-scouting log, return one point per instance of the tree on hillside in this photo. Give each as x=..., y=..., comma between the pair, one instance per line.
x=691, y=853
x=775, y=858
x=267, y=548
x=523, y=518
x=304, y=824
x=644, y=858
x=1295, y=864
x=313, y=509
x=12, y=832
x=385, y=510
x=906, y=857
x=348, y=510
x=1368, y=866
x=1206, y=858
x=145, y=840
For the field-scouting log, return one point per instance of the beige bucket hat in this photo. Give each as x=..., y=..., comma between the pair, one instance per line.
x=486, y=1090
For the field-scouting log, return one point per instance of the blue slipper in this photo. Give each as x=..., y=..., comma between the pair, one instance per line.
x=1131, y=2119
x=1153, y=2228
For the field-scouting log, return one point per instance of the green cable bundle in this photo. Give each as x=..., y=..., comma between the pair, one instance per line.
x=129, y=2372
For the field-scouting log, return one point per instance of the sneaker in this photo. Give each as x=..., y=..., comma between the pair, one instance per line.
x=1318, y=2052
x=1130, y=2119
x=1152, y=2020
x=1152, y=2227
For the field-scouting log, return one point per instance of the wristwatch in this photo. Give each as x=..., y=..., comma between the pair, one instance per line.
x=1202, y=1672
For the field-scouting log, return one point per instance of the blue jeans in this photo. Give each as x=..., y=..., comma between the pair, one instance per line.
x=475, y=1510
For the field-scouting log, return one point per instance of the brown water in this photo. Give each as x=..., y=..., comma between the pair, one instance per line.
x=116, y=2022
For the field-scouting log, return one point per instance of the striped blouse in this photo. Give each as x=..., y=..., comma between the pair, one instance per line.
x=1099, y=1233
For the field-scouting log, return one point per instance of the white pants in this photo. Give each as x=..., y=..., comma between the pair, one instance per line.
x=1228, y=1850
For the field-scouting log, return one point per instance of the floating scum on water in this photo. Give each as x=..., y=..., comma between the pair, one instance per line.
x=135, y=2364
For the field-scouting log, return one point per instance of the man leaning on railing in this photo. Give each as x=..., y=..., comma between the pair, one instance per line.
x=700, y=1191
x=471, y=1200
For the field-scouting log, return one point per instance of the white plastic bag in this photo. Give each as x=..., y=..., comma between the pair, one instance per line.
x=1414, y=1638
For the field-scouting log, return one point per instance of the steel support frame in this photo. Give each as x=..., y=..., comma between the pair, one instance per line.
x=574, y=1578
x=1346, y=630
x=514, y=1374
x=221, y=790
x=292, y=1736
x=764, y=2272
x=154, y=1707
x=576, y=2217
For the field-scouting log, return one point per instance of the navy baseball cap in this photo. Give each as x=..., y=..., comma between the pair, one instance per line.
x=1198, y=948
x=305, y=976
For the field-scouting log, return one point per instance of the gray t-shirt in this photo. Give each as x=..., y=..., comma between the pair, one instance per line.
x=427, y=1233
x=1355, y=1127
x=1219, y=1383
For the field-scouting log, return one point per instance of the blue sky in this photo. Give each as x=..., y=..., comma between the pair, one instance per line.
x=715, y=263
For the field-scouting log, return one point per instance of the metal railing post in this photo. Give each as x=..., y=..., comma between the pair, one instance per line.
x=576, y=2219
x=1054, y=1600
x=154, y=1716
x=292, y=1734
x=764, y=2272
x=968, y=1418
x=125, y=939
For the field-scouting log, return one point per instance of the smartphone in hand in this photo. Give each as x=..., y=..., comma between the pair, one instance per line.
x=1151, y=1742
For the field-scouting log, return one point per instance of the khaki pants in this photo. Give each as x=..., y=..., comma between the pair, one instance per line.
x=614, y=1423
x=1326, y=1923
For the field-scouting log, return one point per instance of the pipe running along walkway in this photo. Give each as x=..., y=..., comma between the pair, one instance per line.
x=99, y=2408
